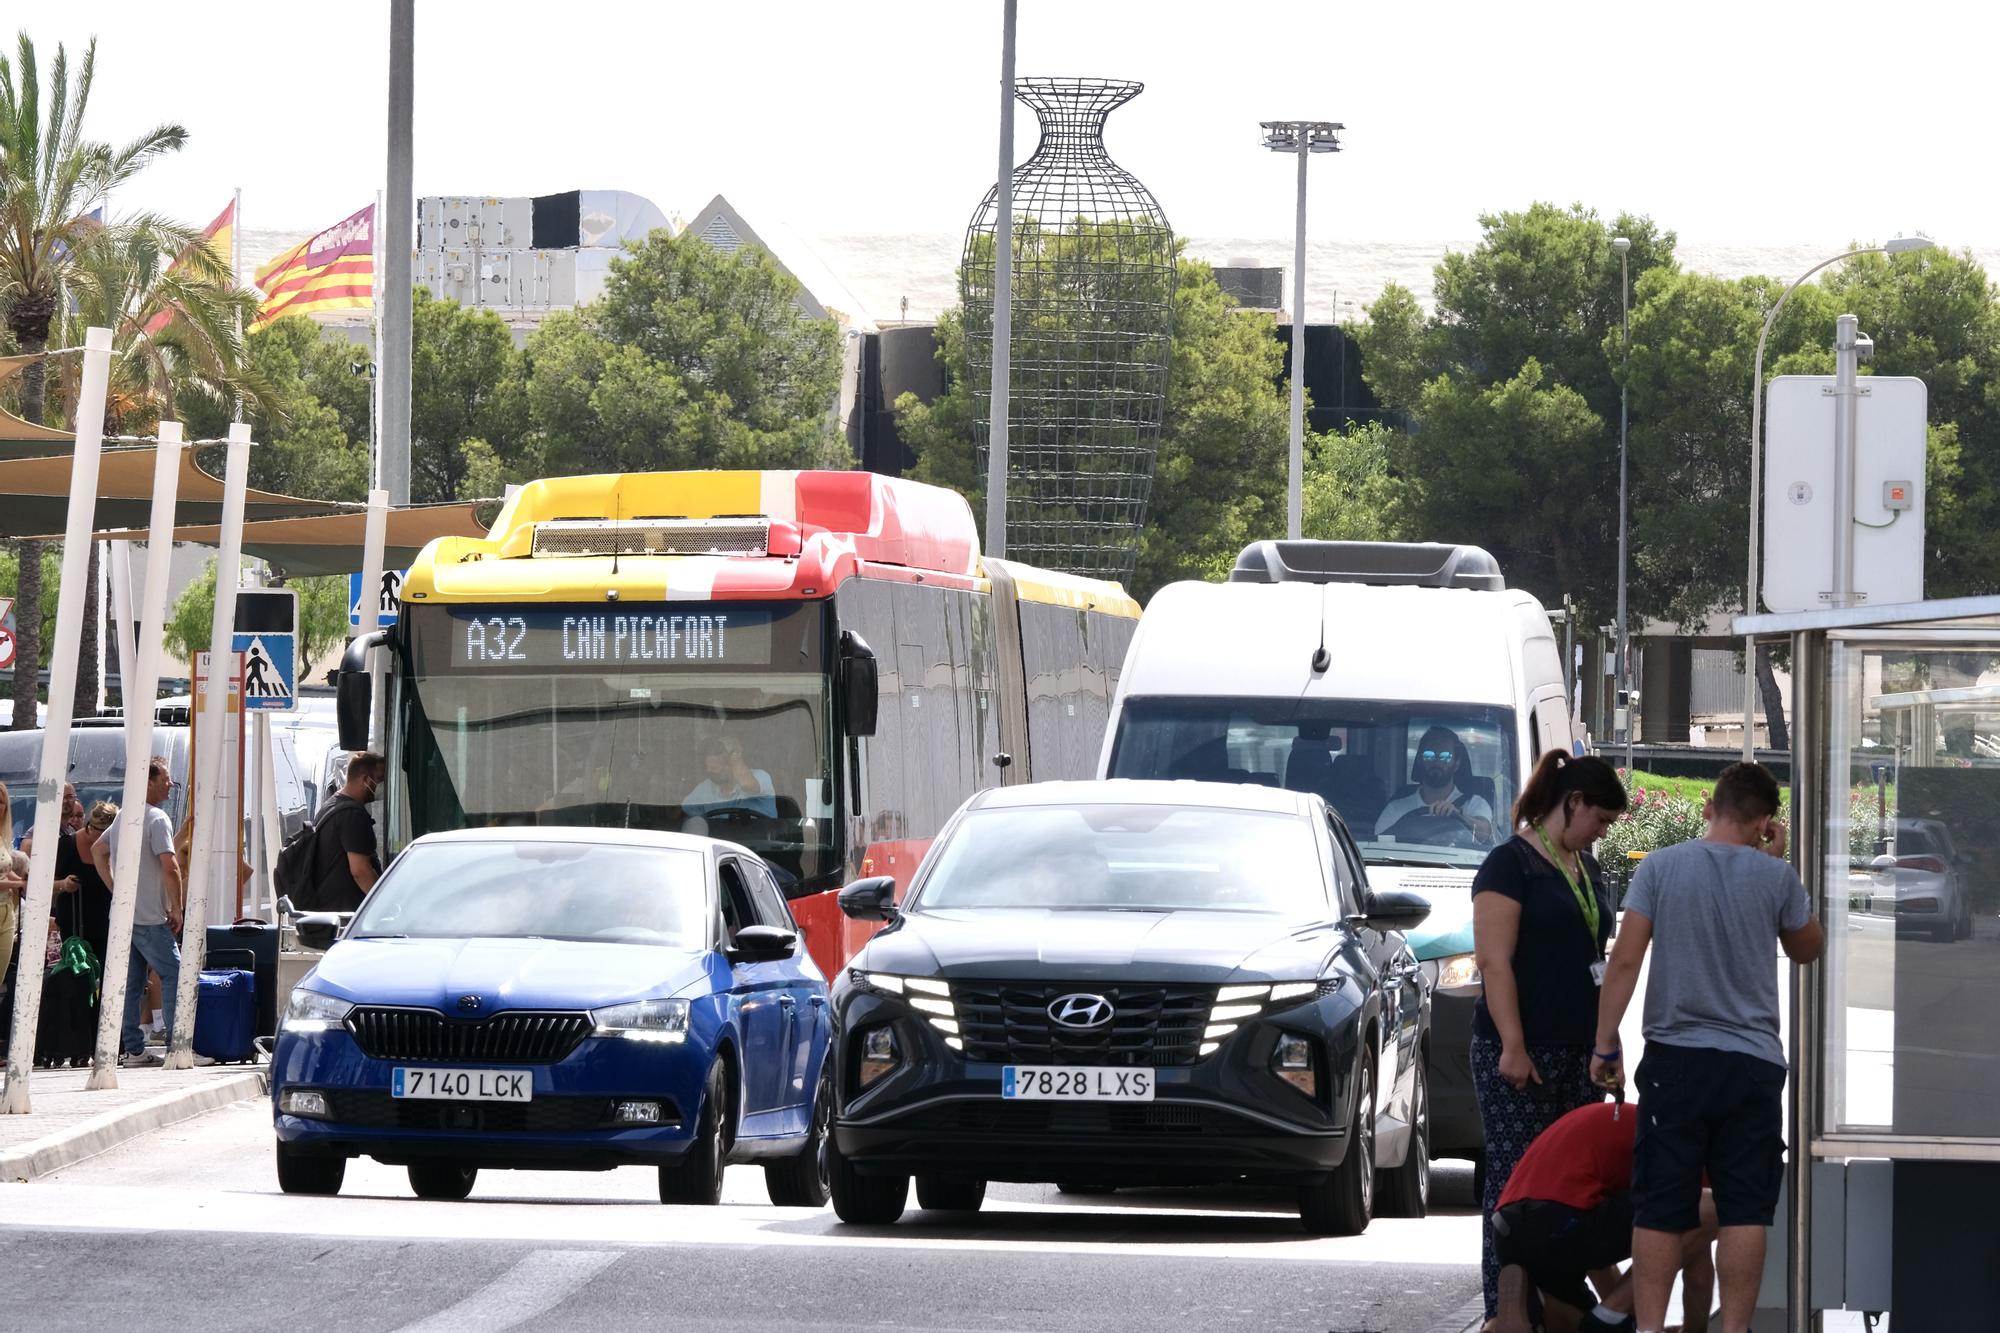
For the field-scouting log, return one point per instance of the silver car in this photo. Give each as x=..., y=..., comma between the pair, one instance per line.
x=1920, y=881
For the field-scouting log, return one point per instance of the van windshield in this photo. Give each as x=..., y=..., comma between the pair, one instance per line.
x=1417, y=783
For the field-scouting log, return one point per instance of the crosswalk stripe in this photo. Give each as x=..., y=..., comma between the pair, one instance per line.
x=540, y=1282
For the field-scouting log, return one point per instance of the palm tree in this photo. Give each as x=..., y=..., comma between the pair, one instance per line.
x=51, y=180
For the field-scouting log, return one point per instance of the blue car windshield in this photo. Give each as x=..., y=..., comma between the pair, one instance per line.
x=541, y=889
x=1142, y=858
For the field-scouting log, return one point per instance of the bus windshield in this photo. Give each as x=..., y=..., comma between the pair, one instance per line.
x=1417, y=783
x=692, y=717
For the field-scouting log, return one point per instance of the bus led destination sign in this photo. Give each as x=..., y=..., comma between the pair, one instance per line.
x=527, y=640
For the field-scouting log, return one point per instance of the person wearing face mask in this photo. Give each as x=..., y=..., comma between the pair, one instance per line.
x=1540, y=923
x=346, y=861
x=1440, y=760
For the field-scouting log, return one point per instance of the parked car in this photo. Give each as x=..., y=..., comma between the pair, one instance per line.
x=567, y=999
x=1123, y=983
x=1920, y=880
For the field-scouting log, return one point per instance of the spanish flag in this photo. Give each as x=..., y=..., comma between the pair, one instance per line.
x=334, y=270
x=219, y=237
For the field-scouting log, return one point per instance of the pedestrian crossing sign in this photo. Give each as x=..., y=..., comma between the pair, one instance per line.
x=270, y=671
x=387, y=603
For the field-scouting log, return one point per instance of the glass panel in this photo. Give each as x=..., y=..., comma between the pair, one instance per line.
x=1912, y=871
x=547, y=890
x=688, y=724
x=1134, y=858
x=1367, y=759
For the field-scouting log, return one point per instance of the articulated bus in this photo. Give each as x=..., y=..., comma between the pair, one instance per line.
x=817, y=665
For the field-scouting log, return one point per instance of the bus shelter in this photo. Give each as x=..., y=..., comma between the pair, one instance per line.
x=1894, y=1129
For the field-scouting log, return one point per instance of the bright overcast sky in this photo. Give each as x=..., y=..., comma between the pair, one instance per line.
x=1749, y=122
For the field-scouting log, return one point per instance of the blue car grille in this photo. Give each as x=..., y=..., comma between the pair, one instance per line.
x=523, y=1038
x=1009, y=1023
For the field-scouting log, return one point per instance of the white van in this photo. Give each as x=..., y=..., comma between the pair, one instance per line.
x=1326, y=667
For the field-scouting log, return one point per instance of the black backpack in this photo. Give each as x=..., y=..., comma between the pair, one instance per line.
x=294, y=871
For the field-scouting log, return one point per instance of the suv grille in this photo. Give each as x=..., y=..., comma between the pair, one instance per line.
x=424, y=1034
x=1008, y=1022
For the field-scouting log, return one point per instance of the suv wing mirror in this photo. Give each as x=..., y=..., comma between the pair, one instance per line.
x=1395, y=909
x=870, y=899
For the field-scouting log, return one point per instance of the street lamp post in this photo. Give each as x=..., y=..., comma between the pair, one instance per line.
x=1299, y=137
x=1898, y=246
x=1622, y=701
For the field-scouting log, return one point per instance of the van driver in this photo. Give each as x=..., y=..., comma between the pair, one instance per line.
x=1440, y=759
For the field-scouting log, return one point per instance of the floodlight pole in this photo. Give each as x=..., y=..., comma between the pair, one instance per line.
x=1003, y=301
x=394, y=219
x=1296, y=462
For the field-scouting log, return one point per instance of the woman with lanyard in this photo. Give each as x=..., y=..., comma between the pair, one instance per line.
x=1540, y=922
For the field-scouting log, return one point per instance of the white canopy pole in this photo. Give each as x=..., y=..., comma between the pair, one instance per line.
x=212, y=820
x=63, y=664
x=142, y=683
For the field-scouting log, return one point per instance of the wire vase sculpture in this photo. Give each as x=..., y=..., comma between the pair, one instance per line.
x=1093, y=290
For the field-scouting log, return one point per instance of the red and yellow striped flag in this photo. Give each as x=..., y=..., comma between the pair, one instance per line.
x=218, y=236
x=334, y=270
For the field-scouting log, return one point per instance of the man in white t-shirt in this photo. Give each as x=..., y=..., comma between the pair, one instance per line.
x=731, y=783
x=1440, y=759
x=156, y=913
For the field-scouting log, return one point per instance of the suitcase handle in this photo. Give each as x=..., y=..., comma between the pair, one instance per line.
x=215, y=957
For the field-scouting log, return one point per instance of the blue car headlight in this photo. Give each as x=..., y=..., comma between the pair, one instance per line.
x=314, y=1011
x=644, y=1020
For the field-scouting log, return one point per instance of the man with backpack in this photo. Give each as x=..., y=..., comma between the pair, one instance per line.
x=331, y=866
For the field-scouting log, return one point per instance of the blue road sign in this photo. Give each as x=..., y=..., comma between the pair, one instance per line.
x=392, y=582
x=270, y=671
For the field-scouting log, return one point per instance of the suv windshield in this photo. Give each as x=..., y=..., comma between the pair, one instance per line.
x=546, y=890
x=1140, y=858
x=1417, y=783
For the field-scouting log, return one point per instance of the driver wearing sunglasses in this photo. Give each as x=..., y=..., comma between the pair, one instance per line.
x=1440, y=759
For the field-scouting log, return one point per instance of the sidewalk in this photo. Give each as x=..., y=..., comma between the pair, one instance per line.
x=69, y=1124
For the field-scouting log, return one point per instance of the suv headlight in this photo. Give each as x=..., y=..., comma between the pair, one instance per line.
x=927, y=995
x=1233, y=1004
x=644, y=1020
x=315, y=1011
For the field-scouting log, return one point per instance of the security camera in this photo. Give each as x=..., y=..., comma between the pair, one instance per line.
x=1864, y=348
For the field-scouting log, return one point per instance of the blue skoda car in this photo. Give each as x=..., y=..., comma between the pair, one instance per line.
x=568, y=999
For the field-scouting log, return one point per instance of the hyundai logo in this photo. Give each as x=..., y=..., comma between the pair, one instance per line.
x=469, y=1003
x=1080, y=1011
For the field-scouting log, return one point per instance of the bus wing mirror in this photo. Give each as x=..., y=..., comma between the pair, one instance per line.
x=355, y=692
x=859, y=684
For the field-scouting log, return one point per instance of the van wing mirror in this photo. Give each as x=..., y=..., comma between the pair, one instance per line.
x=859, y=683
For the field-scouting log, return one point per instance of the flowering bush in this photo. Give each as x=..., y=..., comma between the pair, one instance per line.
x=1662, y=816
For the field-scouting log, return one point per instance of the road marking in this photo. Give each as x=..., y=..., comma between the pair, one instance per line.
x=540, y=1282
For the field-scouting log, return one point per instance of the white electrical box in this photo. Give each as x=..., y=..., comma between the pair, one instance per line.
x=1888, y=492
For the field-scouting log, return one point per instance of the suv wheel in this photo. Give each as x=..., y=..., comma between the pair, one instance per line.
x=1342, y=1203
x=863, y=1200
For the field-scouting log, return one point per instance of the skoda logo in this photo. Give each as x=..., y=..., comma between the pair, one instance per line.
x=1080, y=1011
x=469, y=1003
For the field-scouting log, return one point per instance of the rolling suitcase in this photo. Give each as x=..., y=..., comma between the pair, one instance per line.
x=225, y=1008
x=66, y=1032
x=262, y=941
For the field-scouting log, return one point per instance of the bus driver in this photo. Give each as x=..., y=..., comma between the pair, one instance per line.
x=731, y=783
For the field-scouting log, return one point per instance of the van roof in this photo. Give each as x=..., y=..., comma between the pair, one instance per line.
x=1147, y=791
x=1257, y=640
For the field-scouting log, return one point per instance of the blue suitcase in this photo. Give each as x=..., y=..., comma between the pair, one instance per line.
x=225, y=1008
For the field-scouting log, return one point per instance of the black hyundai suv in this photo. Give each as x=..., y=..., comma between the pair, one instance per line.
x=1123, y=983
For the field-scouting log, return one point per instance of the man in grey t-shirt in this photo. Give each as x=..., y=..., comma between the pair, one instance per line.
x=1711, y=1088
x=156, y=913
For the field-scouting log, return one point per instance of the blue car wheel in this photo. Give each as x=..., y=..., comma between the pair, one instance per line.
x=800, y=1181
x=697, y=1177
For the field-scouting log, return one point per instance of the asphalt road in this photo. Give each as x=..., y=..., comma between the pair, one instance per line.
x=186, y=1229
